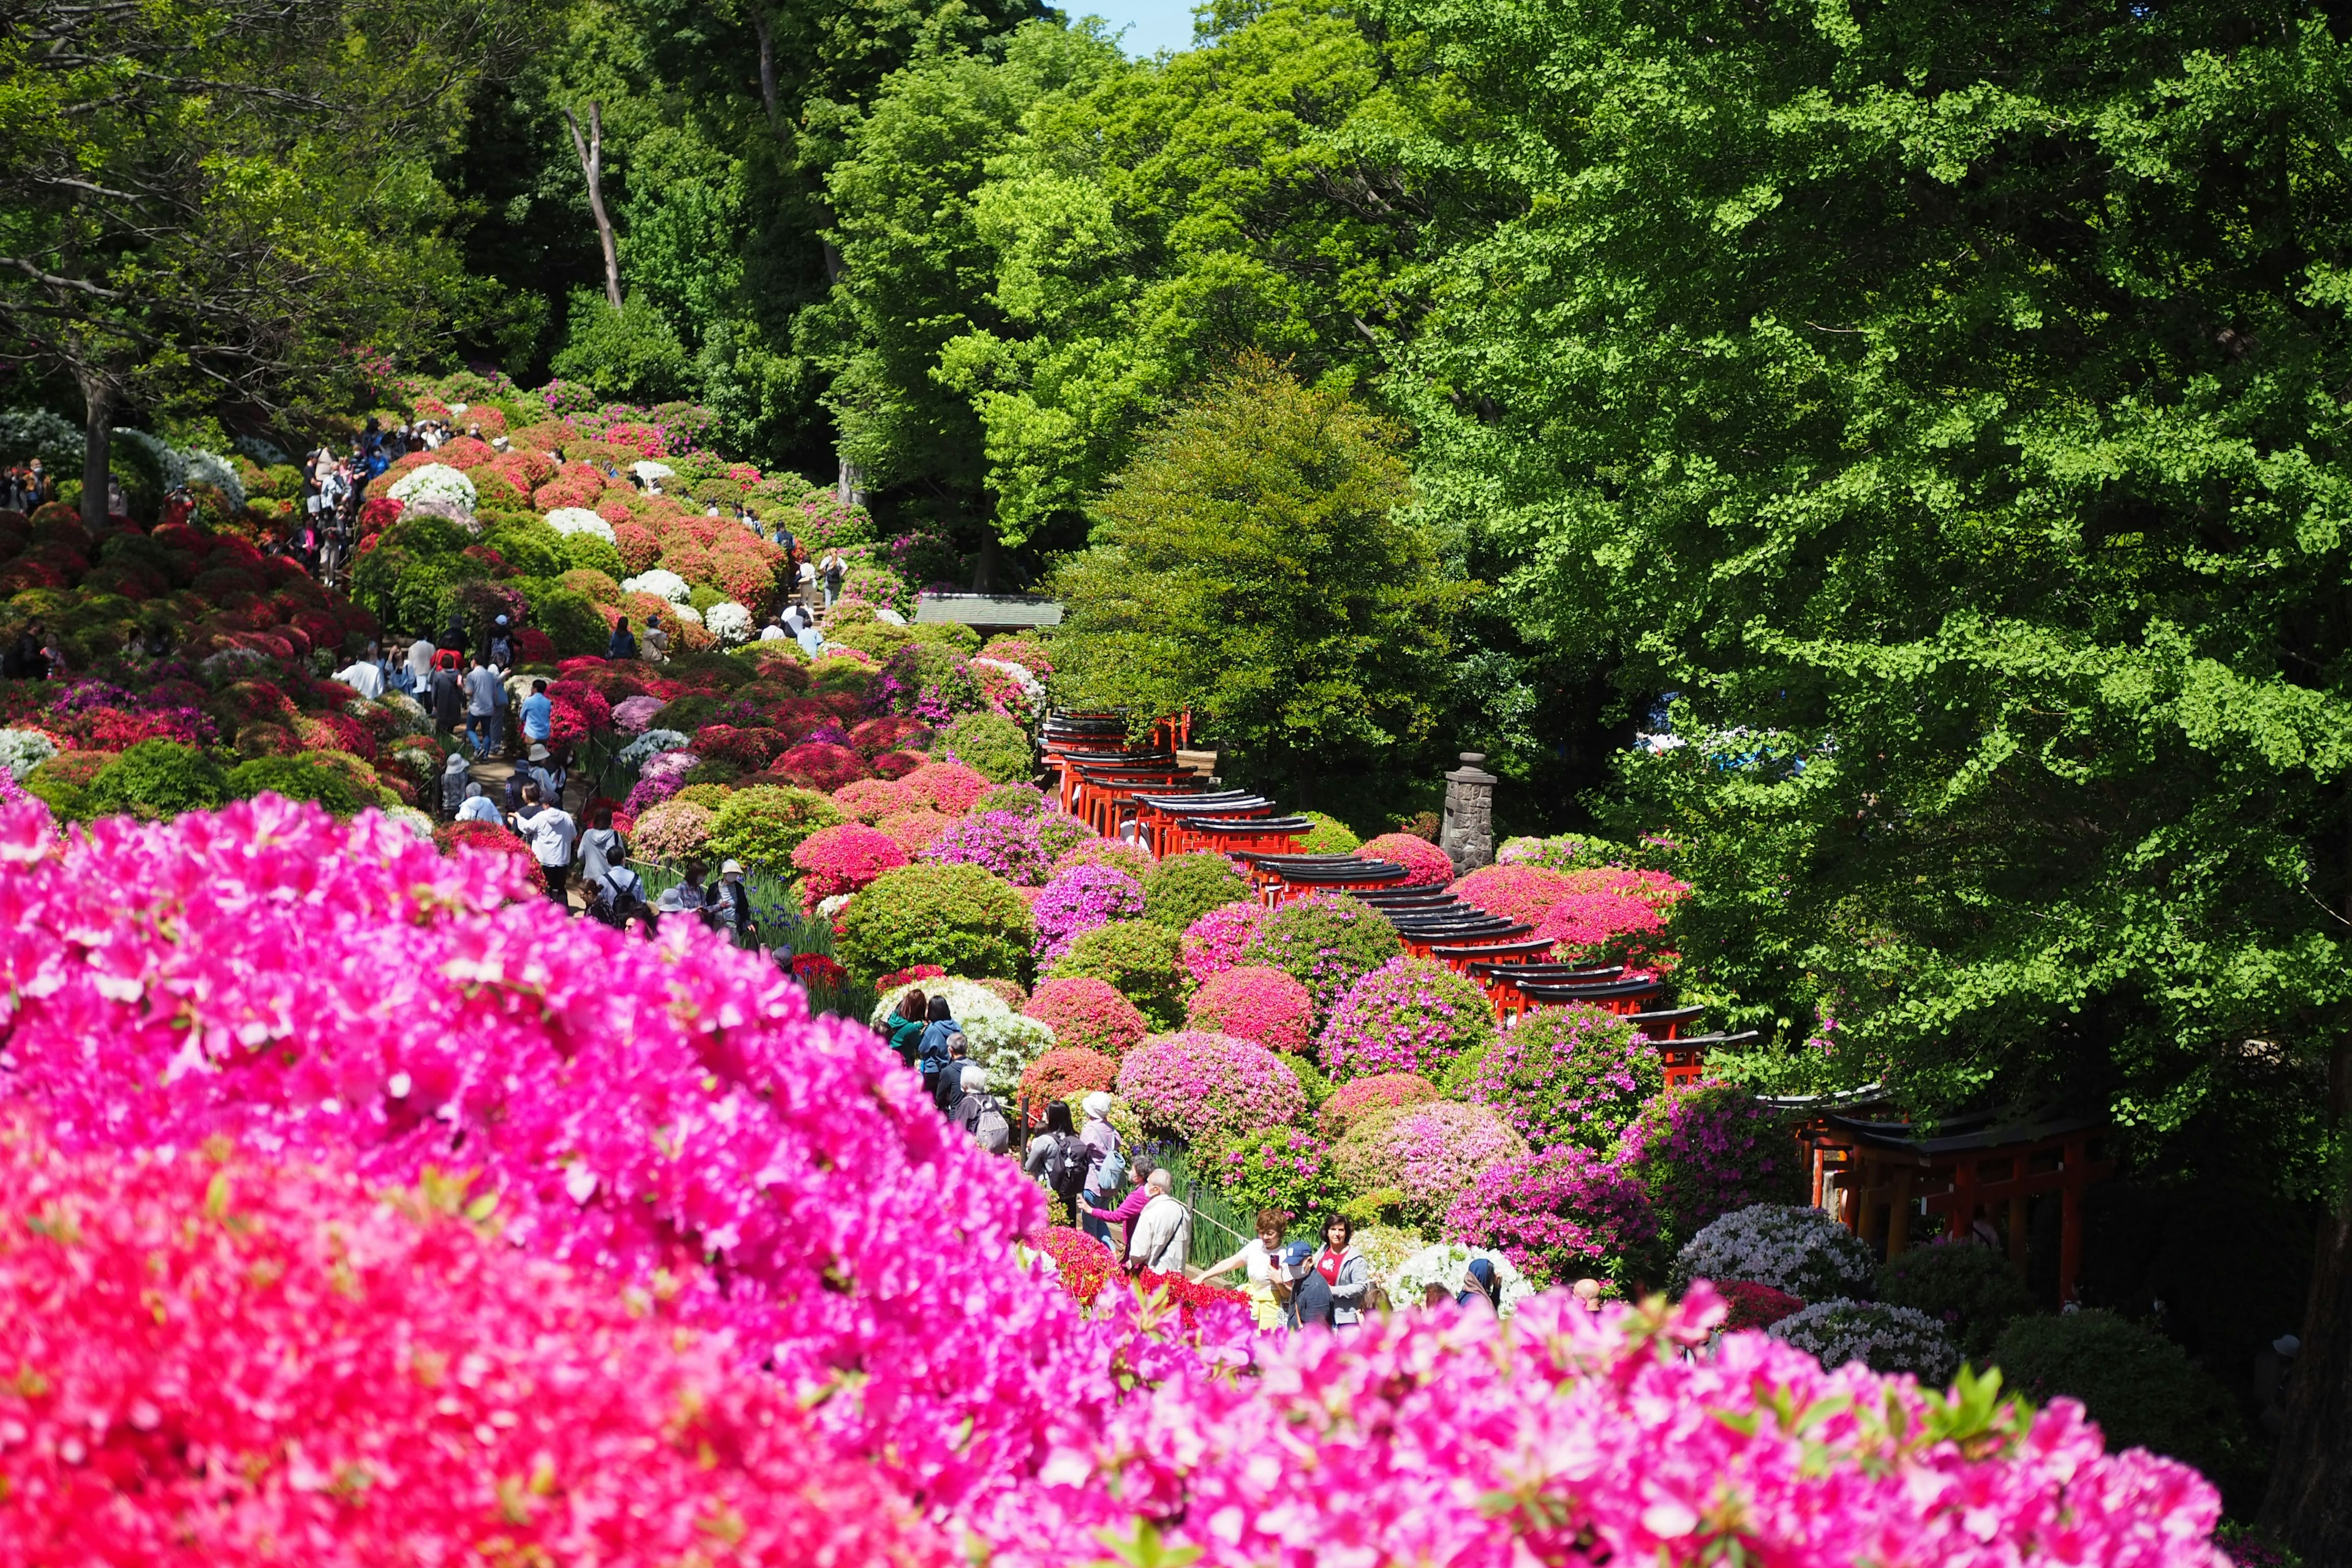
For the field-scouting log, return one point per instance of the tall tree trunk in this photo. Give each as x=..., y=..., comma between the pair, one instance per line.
x=984, y=571
x=97, y=437
x=591, y=165
x=768, y=71
x=2309, y=1505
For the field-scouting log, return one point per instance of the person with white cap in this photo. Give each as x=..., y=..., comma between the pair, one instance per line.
x=453, y=784
x=539, y=767
x=1106, y=1165
x=478, y=806
x=729, y=906
x=501, y=645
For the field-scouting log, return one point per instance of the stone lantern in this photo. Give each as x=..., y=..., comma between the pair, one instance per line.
x=1467, y=834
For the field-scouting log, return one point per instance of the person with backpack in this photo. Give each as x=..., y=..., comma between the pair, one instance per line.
x=1058, y=1158
x=502, y=646
x=454, y=780
x=601, y=848
x=1161, y=1239
x=942, y=1041
x=1105, y=1164
x=448, y=699
x=485, y=708
x=979, y=1114
x=616, y=895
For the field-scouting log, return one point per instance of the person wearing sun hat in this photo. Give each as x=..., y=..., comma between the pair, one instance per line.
x=729, y=906
x=1103, y=1161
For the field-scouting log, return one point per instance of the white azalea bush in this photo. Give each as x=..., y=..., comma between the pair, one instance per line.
x=1883, y=1337
x=571, y=520
x=729, y=622
x=1447, y=1264
x=968, y=1000
x=435, y=484
x=1799, y=1251
x=661, y=584
x=22, y=751
x=652, y=744
x=1004, y=1043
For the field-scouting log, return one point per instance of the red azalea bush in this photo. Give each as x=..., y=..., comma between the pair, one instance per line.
x=813, y=764
x=844, y=860
x=749, y=749
x=1754, y=1306
x=374, y=1381
x=1082, y=1264
x=1253, y=1003
x=950, y=787
x=1066, y=1070
x=890, y=732
x=1522, y=893
x=898, y=764
x=1559, y=1215
x=1360, y=1097
x=1425, y=865
x=1611, y=912
x=1090, y=1013
x=870, y=800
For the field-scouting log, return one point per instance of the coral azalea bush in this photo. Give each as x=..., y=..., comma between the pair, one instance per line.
x=1088, y=1013
x=1257, y=1003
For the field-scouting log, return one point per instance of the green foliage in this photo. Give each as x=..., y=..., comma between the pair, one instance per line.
x=1569, y=1075
x=953, y=635
x=1181, y=888
x=296, y=780
x=532, y=549
x=965, y=920
x=763, y=825
x=629, y=356
x=992, y=745
x=1972, y=1290
x=156, y=779
x=1255, y=563
x=1141, y=961
x=586, y=551
x=1327, y=945
x=1329, y=835
x=2137, y=1386
x=64, y=782
x=1278, y=1168
x=572, y=622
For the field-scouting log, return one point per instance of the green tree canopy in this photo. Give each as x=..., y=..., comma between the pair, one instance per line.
x=1255, y=564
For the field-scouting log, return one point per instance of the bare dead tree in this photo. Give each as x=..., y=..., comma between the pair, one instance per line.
x=592, y=167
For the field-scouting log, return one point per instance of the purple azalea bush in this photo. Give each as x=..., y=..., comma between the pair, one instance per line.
x=1080, y=900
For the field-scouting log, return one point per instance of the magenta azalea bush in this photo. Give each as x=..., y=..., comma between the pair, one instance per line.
x=1425, y=865
x=1411, y=1015
x=1569, y=1075
x=1256, y=1003
x=1020, y=848
x=1209, y=1089
x=1560, y=1215
x=1077, y=901
x=1427, y=1156
x=1213, y=944
x=1706, y=1149
x=1088, y=1013
x=1327, y=941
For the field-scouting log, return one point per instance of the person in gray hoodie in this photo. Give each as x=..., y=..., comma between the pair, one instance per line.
x=1346, y=1274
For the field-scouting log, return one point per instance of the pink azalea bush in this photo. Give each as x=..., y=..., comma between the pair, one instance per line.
x=1706, y=1149
x=1360, y=1097
x=1090, y=1013
x=844, y=860
x=1411, y=1015
x=1425, y=1155
x=1253, y=1003
x=1425, y=865
x=376, y=1382
x=636, y=714
x=1569, y=1075
x=1117, y=853
x=1560, y=1215
x=1211, y=1088
x=871, y=800
x=1521, y=893
x=1016, y=845
x=1213, y=944
x=1078, y=900
x=949, y=787
x=1569, y=1438
x=1613, y=910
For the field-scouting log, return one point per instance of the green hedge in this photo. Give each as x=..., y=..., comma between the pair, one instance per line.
x=966, y=920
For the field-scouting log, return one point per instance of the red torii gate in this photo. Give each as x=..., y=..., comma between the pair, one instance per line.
x=1869, y=1172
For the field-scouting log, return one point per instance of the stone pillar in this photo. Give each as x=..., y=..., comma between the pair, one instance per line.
x=1467, y=833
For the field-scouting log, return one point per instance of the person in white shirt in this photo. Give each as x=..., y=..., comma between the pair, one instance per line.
x=1267, y=1277
x=363, y=676
x=552, y=833
x=1163, y=1234
x=486, y=707
x=420, y=662
x=478, y=806
x=811, y=641
x=775, y=632
x=808, y=582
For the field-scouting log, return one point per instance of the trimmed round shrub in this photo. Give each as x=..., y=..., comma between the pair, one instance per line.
x=1078, y=900
x=843, y=859
x=672, y=833
x=949, y=787
x=1411, y=1015
x=1752, y=1306
x=1521, y=893
x=1706, y=1149
x=1329, y=835
x=1428, y=1155
x=1559, y=1215
x=819, y=765
x=1801, y=1250
x=1019, y=848
x=915, y=830
x=1009, y=992
x=991, y=745
x=64, y=782
x=1254, y=1004
x=871, y=800
x=1278, y=1168
x=2141, y=1387
x=1972, y=1290
x=1325, y=942
x=156, y=779
x=1118, y=854
x=1139, y=962
x=296, y=780
x=1883, y=1337
x=1025, y=798
x=958, y=917
x=1066, y=1070
x=1425, y=865
x=1182, y=887
x=1569, y=1075
x=1213, y=944
x=1210, y=1089
x=1005, y=1044
x=763, y=825
x=1351, y=1101
x=1089, y=1014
